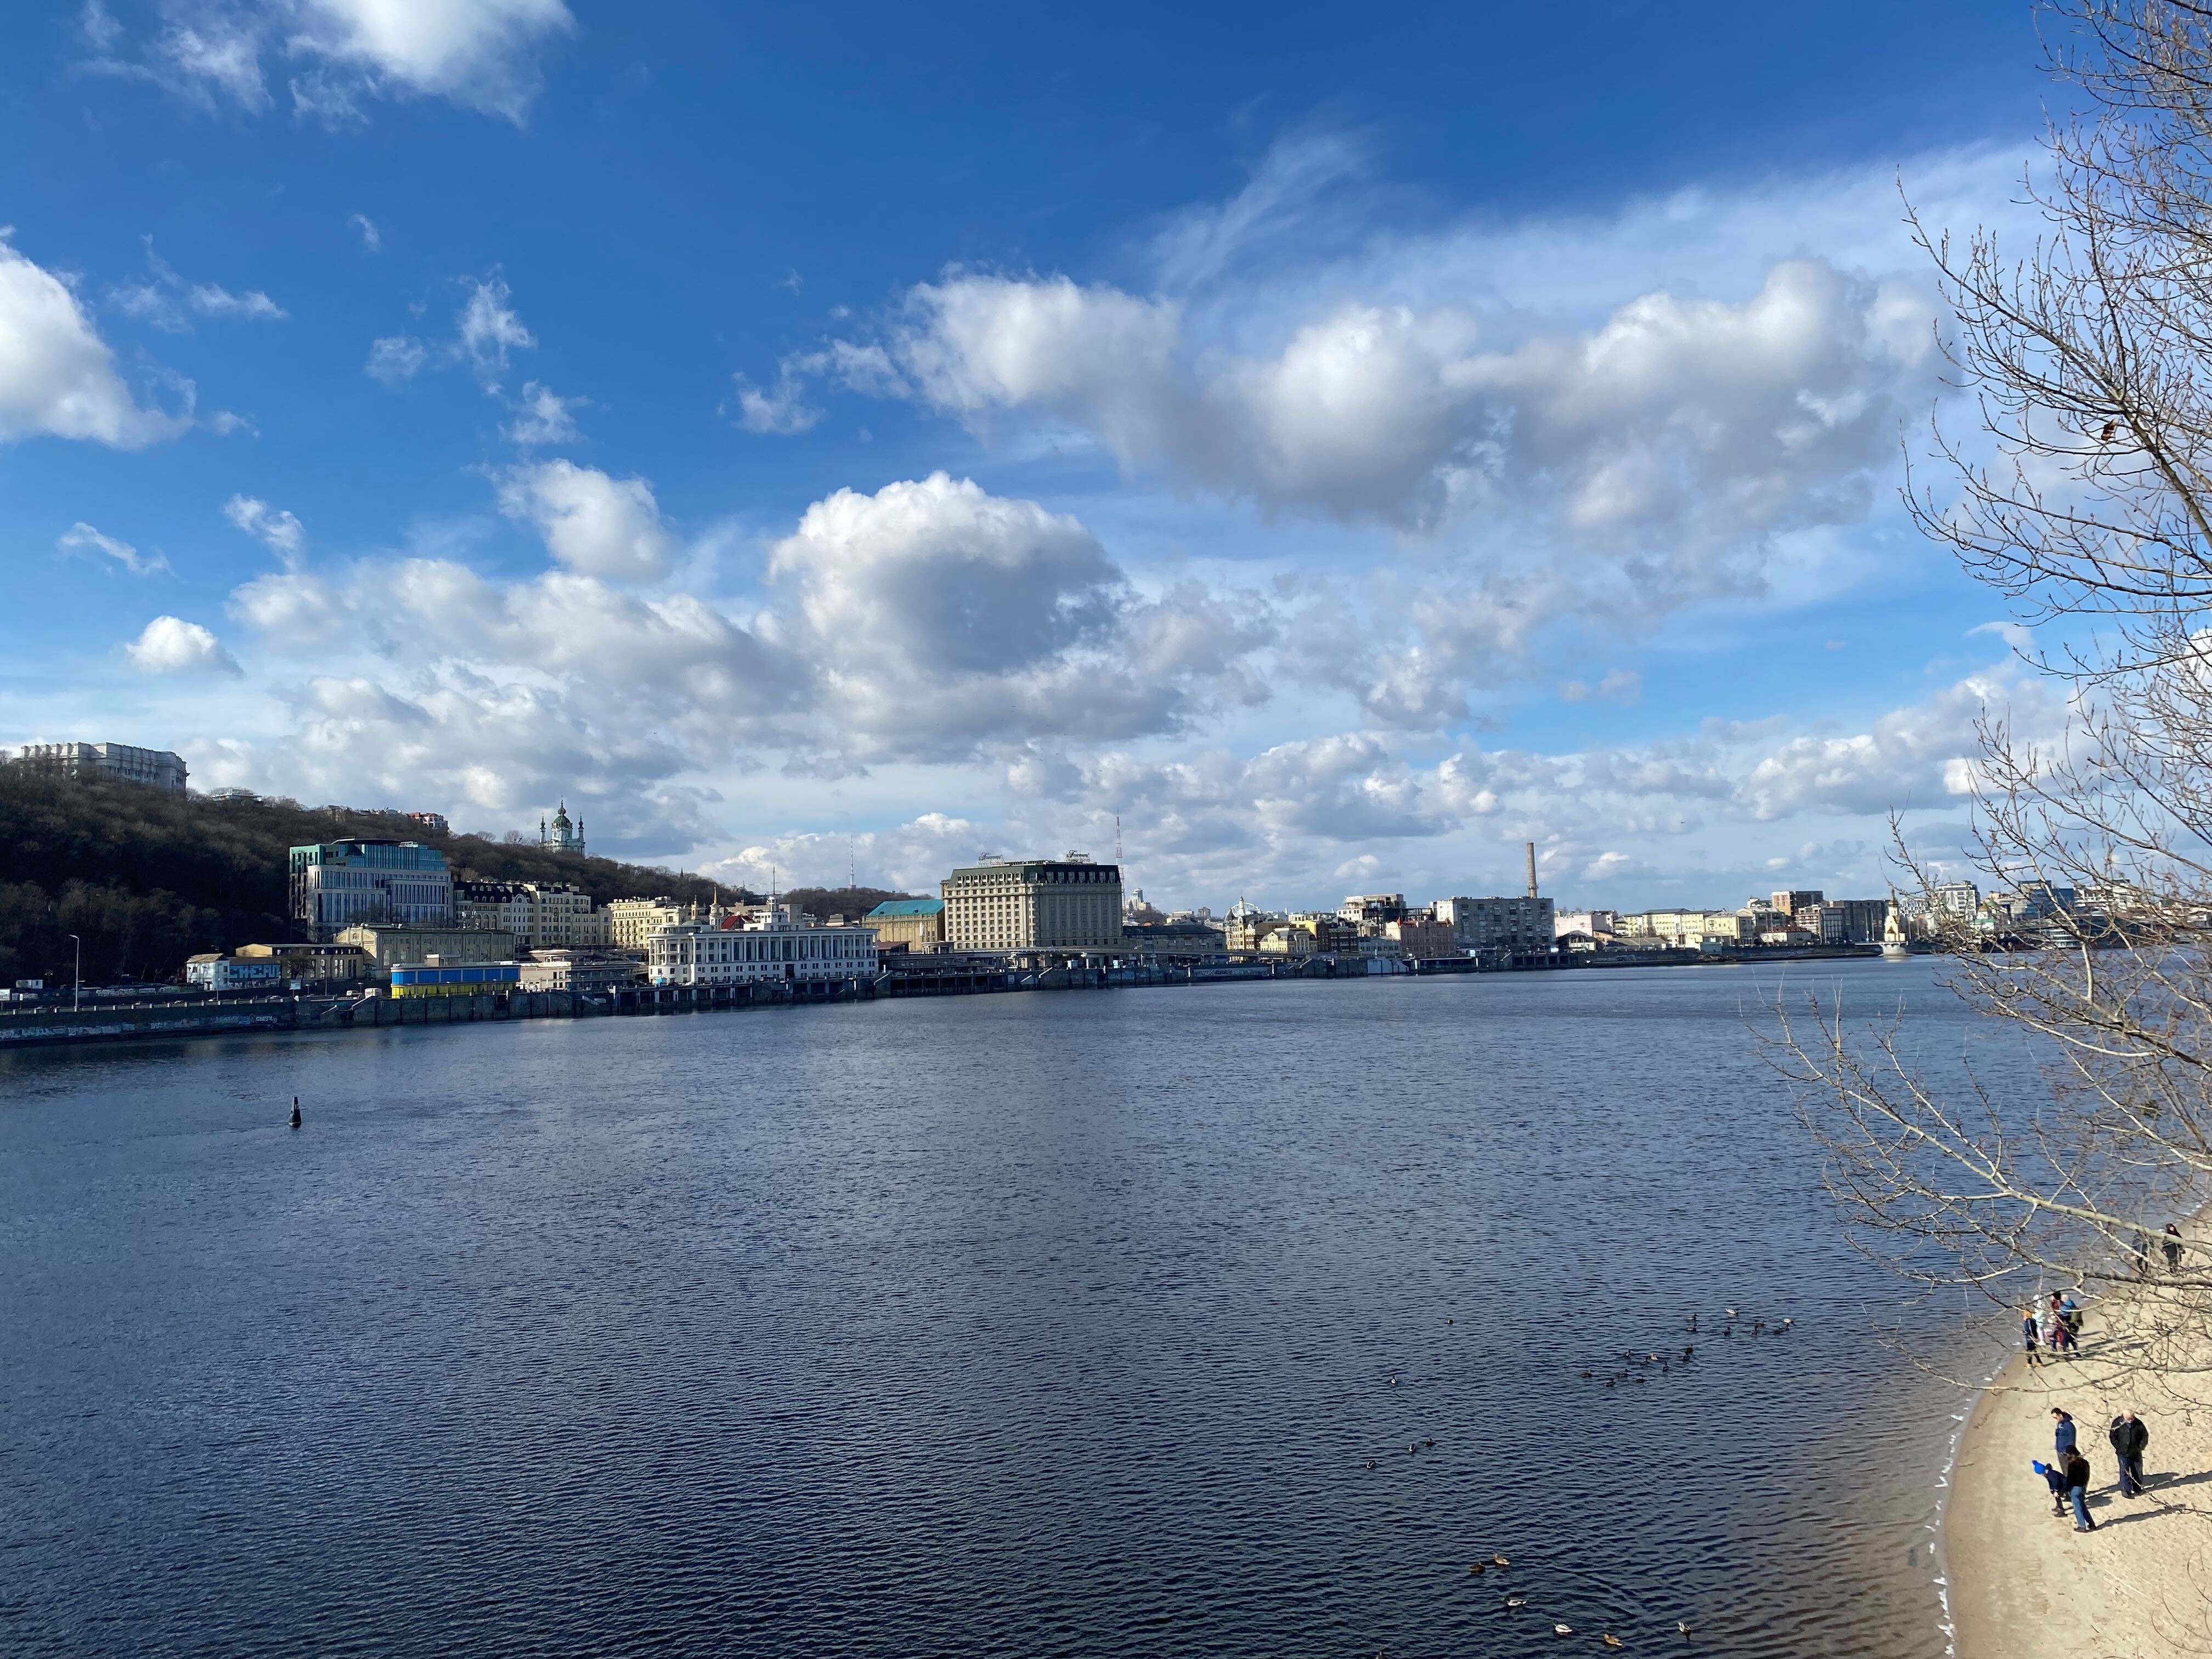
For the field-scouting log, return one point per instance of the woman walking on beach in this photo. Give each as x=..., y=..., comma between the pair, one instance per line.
x=2172, y=1247
x=2027, y=1341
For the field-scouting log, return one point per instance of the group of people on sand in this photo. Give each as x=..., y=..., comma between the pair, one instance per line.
x=2056, y=1328
x=2068, y=1472
x=2169, y=1244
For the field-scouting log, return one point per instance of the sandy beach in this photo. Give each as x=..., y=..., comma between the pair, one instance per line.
x=2023, y=1582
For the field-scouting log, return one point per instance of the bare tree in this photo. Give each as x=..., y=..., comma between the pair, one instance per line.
x=2082, y=488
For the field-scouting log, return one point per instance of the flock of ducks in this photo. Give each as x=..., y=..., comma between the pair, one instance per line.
x=1638, y=1365
x=1638, y=1368
x=1516, y=1601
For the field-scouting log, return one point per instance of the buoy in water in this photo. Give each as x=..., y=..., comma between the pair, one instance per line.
x=295, y=1111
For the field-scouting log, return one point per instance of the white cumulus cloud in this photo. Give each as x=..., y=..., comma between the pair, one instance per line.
x=170, y=645
x=592, y=522
x=58, y=376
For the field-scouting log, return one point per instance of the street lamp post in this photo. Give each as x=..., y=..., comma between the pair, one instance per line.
x=77, y=990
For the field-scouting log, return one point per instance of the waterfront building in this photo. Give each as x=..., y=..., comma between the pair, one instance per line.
x=561, y=835
x=1172, y=938
x=439, y=978
x=1375, y=910
x=1845, y=921
x=1424, y=938
x=631, y=923
x=312, y=964
x=699, y=953
x=1034, y=904
x=1246, y=928
x=1332, y=934
x=1522, y=923
x=1764, y=917
x=214, y=971
x=916, y=924
x=1791, y=902
x=544, y=915
x=1287, y=939
x=339, y=883
x=1699, y=930
x=581, y=971
x=158, y=769
x=391, y=944
x=1957, y=901
x=1595, y=924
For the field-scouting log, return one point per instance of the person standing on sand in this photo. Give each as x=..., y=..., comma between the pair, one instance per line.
x=2027, y=1337
x=2064, y=1434
x=2077, y=1476
x=2055, y=1334
x=2172, y=1247
x=2129, y=1438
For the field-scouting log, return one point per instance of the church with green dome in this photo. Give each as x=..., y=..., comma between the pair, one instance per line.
x=560, y=835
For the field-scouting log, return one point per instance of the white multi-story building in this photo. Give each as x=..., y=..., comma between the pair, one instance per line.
x=699, y=953
x=158, y=768
x=1034, y=904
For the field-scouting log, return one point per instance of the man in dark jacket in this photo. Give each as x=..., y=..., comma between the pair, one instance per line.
x=2062, y=1431
x=2076, y=1473
x=2129, y=1439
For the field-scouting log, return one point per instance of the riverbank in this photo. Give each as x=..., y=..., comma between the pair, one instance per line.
x=2023, y=1584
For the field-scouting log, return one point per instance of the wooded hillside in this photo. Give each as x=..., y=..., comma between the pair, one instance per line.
x=148, y=877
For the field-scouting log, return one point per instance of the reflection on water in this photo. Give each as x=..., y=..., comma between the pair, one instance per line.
x=1038, y=1324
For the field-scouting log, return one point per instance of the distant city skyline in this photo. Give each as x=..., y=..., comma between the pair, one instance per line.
x=861, y=441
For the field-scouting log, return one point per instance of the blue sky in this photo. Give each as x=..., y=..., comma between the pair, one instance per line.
x=1342, y=449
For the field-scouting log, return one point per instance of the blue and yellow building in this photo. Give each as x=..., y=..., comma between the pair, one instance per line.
x=472, y=979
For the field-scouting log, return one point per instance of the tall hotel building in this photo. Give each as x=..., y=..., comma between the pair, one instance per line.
x=1034, y=904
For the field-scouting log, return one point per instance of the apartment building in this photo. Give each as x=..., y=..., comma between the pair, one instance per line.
x=1520, y=924
x=544, y=916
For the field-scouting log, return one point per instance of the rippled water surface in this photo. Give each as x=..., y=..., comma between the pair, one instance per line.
x=1056, y=1323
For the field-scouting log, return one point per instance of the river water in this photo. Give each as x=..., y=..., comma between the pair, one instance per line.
x=1055, y=1323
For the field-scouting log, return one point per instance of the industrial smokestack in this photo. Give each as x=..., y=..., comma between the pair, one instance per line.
x=1532, y=869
